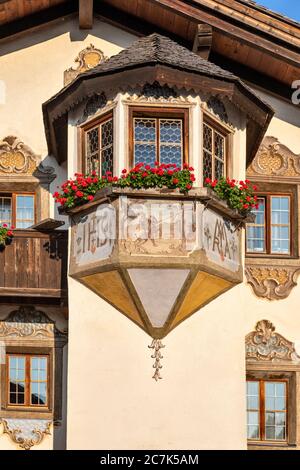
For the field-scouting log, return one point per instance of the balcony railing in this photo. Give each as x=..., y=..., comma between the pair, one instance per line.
x=35, y=265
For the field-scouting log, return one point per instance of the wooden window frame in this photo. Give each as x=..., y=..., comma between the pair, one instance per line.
x=159, y=112
x=227, y=134
x=267, y=195
x=13, y=195
x=28, y=405
x=283, y=373
x=96, y=122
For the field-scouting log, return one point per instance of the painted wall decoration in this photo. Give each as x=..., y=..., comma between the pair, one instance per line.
x=87, y=59
x=156, y=259
x=275, y=159
x=26, y=433
x=272, y=282
x=266, y=345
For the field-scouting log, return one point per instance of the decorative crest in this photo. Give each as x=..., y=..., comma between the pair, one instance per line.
x=26, y=433
x=275, y=159
x=29, y=322
x=264, y=344
x=17, y=158
x=270, y=282
x=87, y=59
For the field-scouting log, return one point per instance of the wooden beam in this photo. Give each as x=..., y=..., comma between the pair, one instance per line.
x=203, y=40
x=85, y=14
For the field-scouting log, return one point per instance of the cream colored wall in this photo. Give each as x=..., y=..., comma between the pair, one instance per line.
x=113, y=401
x=31, y=71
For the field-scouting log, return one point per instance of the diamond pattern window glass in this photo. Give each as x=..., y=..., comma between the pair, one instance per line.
x=27, y=380
x=99, y=147
x=158, y=138
x=214, y=147
x=267, y=410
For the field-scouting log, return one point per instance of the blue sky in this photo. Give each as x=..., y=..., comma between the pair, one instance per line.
x=289, y=8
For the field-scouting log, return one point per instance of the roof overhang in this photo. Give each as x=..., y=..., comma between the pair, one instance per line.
x=56, y=109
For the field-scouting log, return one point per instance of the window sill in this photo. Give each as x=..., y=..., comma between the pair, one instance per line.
x=15, y=413
x=270, y=444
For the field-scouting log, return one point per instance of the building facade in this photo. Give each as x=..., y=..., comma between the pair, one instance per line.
x=178, y=316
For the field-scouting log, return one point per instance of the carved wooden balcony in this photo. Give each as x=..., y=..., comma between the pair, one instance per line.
x=158, y=256
x=35, y=265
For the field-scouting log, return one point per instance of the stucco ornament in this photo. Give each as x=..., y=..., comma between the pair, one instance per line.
x=29, y=322
x=275, y=159
x=157, y=345
x=270, y=282
x=17, y=158
x=26, y=433
x=264, y=344
x=87, y=59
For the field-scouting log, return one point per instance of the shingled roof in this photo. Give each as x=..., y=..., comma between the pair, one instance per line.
x=159, y=49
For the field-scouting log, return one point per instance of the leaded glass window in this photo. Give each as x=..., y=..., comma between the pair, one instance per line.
x=214, y=147
x=267, y=410
x=158, y=139
x=27, y=380
x=270, y=233
x=99, y=147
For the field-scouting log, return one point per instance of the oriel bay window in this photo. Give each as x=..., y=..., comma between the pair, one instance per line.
x=267, y=410
x=215, y=142
x=158, y=135
x=98, y=146
x=270, y=233
x=17, y=209
x=27, y=380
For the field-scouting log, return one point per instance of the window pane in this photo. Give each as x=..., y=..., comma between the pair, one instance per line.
x=38, y=381
x=144, y=130
x=252, y=403
x=253, y=417
x=280, y=224
x=144, y=141
x=207, y=137
x=16, y=380
x=171, y=154
x=92, y=150
x=107, y=146
x=5, y=210
x=256, y=231
x=25, y=211
x=207, y=165
x=253, y=432
x=275, y=400
x=252, y=388
x=170, y=131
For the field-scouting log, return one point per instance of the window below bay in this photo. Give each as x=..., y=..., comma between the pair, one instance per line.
x=17, y=209
x=158, y=135
x=270, y=233
x=27, y=380
x=267, y=412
